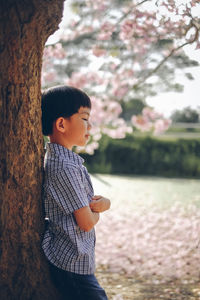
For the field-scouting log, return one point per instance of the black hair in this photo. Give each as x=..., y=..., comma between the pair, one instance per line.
x=61, y=101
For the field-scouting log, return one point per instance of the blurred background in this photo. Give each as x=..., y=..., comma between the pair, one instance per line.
x=139, y=63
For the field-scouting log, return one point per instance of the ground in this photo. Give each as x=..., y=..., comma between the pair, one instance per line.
x=148, y=243
x=120, y=287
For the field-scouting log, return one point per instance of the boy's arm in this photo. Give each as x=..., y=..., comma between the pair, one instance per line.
x=99, y=204
x=85, y=218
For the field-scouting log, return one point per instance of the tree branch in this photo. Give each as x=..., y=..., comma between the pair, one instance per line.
x=166, y=58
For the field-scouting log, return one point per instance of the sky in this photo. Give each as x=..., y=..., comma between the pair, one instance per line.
x=164, y=103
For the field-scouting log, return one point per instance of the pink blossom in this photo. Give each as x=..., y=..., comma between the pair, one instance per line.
x=127, y=29
x=121, y=91
x=150, y=113
x=48, y=77
x=150, y=120
x=161, y=126
x=55, y=51
x=91, y=147
x=97, y=51
x=106, y=31
x=114, y=108
x=77, y=80
x=83, y=80
x=100, y=5
x=141, y=123
x=88, y=148
x=59, y=52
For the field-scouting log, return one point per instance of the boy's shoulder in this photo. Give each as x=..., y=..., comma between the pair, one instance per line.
x=56, y=153
x=61, y=165
x=61, y=160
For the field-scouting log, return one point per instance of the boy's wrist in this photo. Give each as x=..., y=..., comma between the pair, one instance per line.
x=96, y=217
x=99, y=204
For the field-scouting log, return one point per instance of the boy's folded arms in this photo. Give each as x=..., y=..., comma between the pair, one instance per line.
x=86, y=218
x=99, y=204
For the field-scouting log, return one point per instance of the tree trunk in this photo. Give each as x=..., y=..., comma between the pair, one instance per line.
x=25, y=26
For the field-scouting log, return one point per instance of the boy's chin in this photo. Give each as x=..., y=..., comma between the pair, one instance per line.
x=83, y=144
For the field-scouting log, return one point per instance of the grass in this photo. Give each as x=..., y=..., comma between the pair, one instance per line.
x=145, y=192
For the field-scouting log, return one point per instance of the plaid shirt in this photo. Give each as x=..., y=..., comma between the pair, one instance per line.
x=67, y=187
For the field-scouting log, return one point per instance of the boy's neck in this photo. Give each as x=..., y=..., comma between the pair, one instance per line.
x=59, y=141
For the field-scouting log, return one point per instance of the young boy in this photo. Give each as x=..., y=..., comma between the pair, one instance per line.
x=71, y=208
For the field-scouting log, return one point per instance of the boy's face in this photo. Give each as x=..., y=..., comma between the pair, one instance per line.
x=77, y=128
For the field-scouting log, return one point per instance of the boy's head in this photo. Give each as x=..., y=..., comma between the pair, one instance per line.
x=61, y=101
x=65, y=116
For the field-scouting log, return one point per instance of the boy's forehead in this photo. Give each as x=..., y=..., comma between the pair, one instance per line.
x=84, y=110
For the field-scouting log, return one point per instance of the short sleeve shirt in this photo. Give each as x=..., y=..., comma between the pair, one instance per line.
x=67, y=187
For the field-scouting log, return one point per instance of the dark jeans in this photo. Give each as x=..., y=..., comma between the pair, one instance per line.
x=75, y=286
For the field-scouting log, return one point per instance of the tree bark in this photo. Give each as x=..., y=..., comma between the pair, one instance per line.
x=25, y=26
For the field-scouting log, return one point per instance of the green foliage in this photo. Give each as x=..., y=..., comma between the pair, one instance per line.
x=187, y=115
x=46, y=139
x=146, y=156
x=189, y=76
x=131, y=107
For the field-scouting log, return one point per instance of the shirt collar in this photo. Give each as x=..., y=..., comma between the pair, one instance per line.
x=58, y=150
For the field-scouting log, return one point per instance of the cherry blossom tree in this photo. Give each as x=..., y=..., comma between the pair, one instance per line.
x=121, y=50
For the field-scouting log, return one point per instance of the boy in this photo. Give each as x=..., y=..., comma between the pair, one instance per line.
x=71, y=208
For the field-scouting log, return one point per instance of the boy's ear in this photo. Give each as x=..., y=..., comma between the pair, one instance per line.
x=60, y=124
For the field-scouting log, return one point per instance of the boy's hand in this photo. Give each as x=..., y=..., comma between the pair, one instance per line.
x=99, y=204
